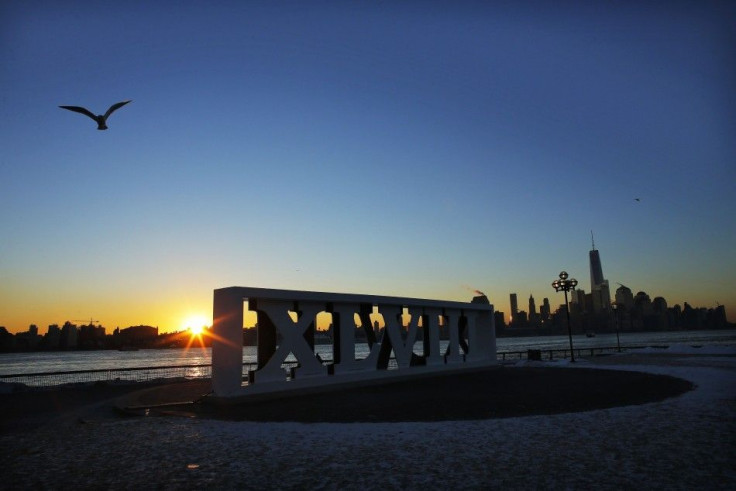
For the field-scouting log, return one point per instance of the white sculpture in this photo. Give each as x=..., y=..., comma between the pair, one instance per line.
x=287, y=320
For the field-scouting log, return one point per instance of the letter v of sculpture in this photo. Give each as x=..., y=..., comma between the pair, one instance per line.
x=401, y=345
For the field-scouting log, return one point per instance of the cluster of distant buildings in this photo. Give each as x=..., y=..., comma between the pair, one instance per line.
x=594, y=311
x=72, y=337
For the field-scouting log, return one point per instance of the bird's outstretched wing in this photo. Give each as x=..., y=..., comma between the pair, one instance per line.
x=115, y=107
x=80, y=110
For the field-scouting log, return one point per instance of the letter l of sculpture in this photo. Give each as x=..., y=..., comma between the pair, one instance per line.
x=343, y=320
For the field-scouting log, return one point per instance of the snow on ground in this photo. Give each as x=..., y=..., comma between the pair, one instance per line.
x=680, y=443
x=686, y=349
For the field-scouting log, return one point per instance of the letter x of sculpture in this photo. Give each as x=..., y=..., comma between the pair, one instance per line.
x=292, y=339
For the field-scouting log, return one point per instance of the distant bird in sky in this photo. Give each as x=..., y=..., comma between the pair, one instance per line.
x=100, y=119
x=637, y=199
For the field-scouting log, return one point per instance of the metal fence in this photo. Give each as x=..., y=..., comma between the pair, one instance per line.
x=190, y=372
x=562, y=353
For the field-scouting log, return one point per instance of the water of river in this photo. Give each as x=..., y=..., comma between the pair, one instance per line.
x=43, y=362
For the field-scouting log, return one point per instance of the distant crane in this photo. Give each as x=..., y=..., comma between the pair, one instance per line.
x=91, y=321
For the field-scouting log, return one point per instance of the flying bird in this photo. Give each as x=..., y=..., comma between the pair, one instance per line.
x=100, y=119
x=637, y=199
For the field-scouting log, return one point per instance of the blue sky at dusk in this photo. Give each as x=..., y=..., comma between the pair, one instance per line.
x=422, y=149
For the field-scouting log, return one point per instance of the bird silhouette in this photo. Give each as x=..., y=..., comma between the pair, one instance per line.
x=637, y=199
x=100, y=119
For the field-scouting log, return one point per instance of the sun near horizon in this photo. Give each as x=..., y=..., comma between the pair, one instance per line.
x=196, y=323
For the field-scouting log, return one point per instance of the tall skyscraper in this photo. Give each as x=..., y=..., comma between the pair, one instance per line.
x=596, y=270
x=532, y=306
x=598, y=285
x=533, y=316
x=514, y=307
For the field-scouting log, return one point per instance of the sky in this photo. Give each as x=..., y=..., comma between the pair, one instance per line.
x=416, y=149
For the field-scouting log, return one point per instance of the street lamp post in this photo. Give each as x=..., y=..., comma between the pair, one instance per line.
x=564, y=284
x=616, y=308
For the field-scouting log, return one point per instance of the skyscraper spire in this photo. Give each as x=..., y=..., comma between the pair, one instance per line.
x=598, y=284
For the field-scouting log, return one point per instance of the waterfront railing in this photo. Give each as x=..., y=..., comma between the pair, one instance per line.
x=562, y=353
x=172, y=373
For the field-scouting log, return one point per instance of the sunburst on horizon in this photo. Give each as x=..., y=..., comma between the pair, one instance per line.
x=196, y=323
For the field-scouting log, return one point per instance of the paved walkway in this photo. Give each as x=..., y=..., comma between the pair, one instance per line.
x=685, y=442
